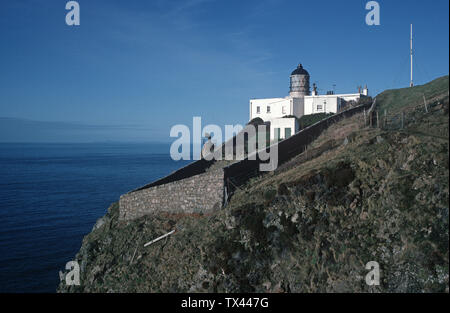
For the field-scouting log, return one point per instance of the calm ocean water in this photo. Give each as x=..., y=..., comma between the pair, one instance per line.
x=52, y=194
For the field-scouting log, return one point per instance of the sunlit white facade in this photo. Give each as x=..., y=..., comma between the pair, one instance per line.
x=283, y=113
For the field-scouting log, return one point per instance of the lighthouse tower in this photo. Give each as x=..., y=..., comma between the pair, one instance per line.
x=299, y=83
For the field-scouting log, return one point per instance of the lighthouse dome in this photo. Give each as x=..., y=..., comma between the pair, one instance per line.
x=300, y=71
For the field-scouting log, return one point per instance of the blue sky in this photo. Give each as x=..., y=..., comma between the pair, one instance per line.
x=133, y=69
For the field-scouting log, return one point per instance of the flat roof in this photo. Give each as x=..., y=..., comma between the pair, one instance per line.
x=337, y=95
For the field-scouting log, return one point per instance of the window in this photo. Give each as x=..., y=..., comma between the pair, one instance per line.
x=277, y=133
x=321, y=107
x=258, y=110
x=283, y=110
x=287, y=132
x=268, y=109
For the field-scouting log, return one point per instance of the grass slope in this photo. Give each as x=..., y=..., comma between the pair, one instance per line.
x=395, y=100
x=309, y=227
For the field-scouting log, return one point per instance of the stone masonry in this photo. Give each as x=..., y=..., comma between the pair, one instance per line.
x=201, y=193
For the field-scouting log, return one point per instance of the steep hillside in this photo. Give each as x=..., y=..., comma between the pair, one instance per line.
x=311, y=226
x=394, y=100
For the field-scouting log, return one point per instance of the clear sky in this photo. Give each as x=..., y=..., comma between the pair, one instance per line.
x=133, y=69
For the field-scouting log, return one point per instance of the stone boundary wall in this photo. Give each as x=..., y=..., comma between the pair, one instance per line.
x=192, y=189
x=192, y=169
x=240, y=172
x=201, y=193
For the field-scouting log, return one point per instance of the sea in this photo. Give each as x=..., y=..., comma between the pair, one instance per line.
x=51, y=196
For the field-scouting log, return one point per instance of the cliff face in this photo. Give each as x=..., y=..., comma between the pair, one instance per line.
x=381, y=195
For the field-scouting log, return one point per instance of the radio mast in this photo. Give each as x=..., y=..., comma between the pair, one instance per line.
x=411, y=84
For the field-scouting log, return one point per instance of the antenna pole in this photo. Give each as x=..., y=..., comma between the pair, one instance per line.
x=411, y=84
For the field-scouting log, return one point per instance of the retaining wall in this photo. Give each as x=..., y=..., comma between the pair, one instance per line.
x=239, y=173
x=201, y=193
x=194, y=189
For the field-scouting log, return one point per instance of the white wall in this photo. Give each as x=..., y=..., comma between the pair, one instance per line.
x=299, y=107
x=282, y=124
x=292, y=106
x=276, y=108
x=322, y=104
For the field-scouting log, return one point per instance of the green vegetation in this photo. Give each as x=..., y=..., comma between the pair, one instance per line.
x=395, y=100
x=308, y=120
x=310, y=226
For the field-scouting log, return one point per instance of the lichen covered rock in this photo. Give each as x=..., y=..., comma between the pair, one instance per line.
x=309, y=228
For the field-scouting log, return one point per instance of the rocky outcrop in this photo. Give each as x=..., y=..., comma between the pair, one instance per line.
x=308, y=227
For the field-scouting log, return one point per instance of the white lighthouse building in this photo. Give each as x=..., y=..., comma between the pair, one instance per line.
x=283, y=113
